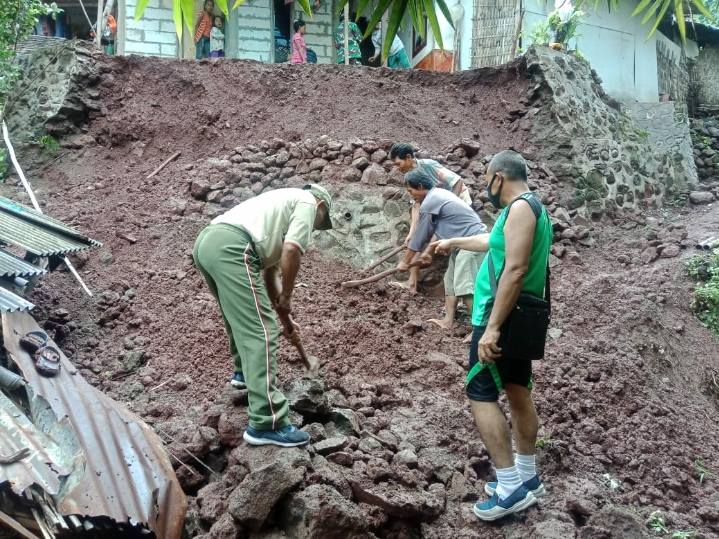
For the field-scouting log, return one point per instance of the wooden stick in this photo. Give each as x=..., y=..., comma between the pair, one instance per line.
x=163, y=165
x=387, y=257
x=287, y=323
x=378, y=277
x=18, y=528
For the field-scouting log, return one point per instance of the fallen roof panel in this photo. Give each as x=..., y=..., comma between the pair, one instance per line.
x=10, y=302
x=123, y=471
x=13, y=266
x=38, y=233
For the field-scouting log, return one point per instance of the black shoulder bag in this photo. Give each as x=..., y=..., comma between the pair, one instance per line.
x=524, y=332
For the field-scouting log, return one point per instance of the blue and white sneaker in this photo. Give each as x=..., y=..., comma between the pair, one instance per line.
x=496, y=508
x=238, y=381
x=289, y=436
x=533, y=485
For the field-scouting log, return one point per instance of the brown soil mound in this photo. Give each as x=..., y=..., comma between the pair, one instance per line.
x=625, y=418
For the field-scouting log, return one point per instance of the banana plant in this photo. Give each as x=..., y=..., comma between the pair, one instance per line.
x=418, y=11
x=659, y=8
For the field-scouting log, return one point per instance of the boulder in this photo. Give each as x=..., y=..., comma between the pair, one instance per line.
x=211, y=501
x=331, y=445
x=273, y=481
x=374, y=175
x=320, y=511
x=199, y=188
x=308, y=396
x=398, y=501
x=701, y=197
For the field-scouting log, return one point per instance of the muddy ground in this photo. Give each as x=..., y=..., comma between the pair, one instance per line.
x=627, y=412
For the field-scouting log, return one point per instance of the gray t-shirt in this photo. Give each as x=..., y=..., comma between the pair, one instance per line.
x=444, y=214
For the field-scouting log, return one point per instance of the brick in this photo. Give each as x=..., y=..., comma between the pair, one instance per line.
x=134, y=47
x=254, y=46
x=246, y=10
x=134, y=35
x=143, y=24
x=168, y=50
x=168, y=26
x=161, y=37
x=156, y=13
x=256, y=24
x=256, y=35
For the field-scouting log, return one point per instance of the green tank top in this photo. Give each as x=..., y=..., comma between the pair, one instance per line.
x=536, y=272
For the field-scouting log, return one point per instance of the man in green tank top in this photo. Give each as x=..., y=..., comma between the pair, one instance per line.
x=519, y=248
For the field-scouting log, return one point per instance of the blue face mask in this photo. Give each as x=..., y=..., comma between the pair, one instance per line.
x=494, y=199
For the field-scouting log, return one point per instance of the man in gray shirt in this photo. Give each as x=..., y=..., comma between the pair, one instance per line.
x=443, y=215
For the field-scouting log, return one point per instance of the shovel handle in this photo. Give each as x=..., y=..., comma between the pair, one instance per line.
x=387, y=257
x=378, y=277
x=287, y=323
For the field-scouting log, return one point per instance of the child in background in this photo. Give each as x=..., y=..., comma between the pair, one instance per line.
x=299, y=47
x=202, y=30
x=217, y=39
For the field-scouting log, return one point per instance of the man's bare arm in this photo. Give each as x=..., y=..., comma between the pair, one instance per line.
x=479, y=244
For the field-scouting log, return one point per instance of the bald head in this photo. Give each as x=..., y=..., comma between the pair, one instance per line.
x=510, y=163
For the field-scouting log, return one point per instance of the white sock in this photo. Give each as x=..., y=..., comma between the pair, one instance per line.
x=526, y=466
x=507, y=481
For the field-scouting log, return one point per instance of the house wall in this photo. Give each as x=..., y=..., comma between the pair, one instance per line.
x=616, y=46
x=256, y=30
x=153, y=35
x=706, y=71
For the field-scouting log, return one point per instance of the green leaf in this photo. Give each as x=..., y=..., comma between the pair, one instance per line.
x=140, y=8
x=445, y=11
x=188, y=14
x=413, y=13
x=641, y=7
x=655, y=6
x=659, y=18
x=341, y=7
x=701, y=7
x=420, y=18
x=305, y=5
x=360, y=8
x=681, y=23
x=177, y=17
x=433, y=22
x=376, y=16
x=238, y=3
x=222, y=4
x=395, y=18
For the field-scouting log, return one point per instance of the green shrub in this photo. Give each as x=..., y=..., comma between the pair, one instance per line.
x=705, y=301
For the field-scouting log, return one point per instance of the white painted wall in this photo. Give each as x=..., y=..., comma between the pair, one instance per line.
x=615, y=45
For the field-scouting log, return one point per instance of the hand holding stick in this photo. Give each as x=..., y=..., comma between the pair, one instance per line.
x=292, y=332
x=378, y=277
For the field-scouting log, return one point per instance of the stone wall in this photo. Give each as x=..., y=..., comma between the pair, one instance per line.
x=56, y=100
x=705, y=136
x=604, y=160
x=153, y=35
x=706, y=73
x=256, y=31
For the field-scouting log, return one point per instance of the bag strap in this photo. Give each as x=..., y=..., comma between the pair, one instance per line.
x=536, y=206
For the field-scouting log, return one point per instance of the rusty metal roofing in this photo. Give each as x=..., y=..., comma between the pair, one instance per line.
x=120, y=468
x=32, y=43
x=10, y=302
x=13, y=266
x=37, y=233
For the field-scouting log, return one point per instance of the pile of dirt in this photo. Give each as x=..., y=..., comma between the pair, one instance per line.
x=626, y=425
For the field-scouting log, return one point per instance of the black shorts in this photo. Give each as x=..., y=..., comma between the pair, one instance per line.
x=486, y=385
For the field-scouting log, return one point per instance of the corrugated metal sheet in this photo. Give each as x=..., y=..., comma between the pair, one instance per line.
x=37, y=233
x=28, y=213
x=10, y=302
x=12, y=266
x=121, y=469
x=32, y=43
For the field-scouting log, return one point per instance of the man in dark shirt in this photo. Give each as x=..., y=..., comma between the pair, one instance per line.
x=444, y=215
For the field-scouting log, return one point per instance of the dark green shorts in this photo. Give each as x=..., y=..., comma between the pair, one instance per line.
x=486, y=384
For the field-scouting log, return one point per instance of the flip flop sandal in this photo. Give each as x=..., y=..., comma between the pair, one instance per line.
x=33, y=341
x=47, y=361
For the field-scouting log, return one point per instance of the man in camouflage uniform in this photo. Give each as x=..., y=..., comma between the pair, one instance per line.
x=353, y=43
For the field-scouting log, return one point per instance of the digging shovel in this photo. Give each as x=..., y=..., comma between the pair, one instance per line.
x=312, y=363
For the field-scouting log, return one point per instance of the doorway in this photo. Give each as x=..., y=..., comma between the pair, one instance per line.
x=282, y=30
